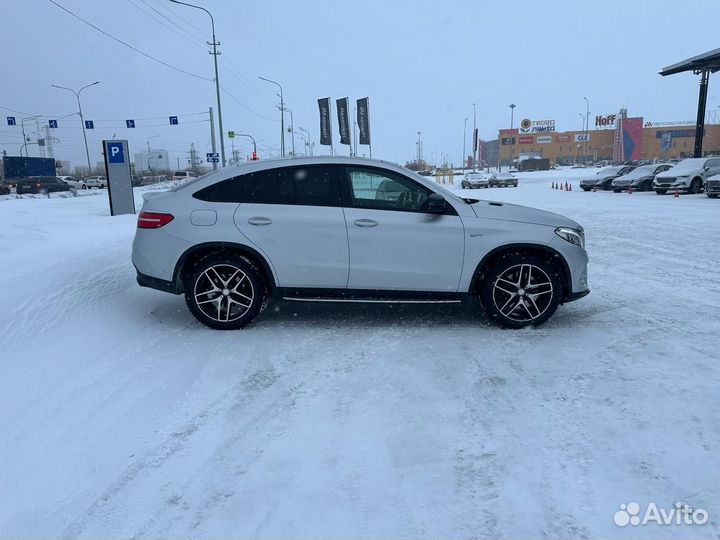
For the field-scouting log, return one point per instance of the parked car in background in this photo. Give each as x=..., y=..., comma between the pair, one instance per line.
x=183, y=175
x=502, y=179
x=4, y=189
x=425, y=173
x=641, y=178
x=475, y=180
x=689, y=175
x=712, y=186
x=135, y=181
x=74, y=182
x=315, y=229
x=149, y=180
x=604, y=177
x=95, y=181
x=40, y=184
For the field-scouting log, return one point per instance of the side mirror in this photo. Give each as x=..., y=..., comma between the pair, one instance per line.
x=436, y=203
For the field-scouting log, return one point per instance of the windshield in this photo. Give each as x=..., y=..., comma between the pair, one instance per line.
x=609, y=170
x=689, y=165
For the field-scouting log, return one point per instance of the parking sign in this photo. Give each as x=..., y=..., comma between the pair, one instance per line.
x=11, y=120
x=115, y=152
x=52, y=124
x=89, y=124
x=130, y=123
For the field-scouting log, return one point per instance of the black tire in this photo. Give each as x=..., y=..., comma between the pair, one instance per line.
x=530, y=308
x=84, y=186
x=585, y=188
x=712, y=195
x=695, y=186
x=661, y=191
x=646, y=186
x=463, y=185
x=247, y=297
x=617, y=190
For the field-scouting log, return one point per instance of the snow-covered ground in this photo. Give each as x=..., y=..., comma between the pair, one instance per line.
x=122, y=417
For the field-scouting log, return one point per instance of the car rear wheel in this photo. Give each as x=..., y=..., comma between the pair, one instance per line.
x=225, y=292
x=646, y=186
x=520, y=290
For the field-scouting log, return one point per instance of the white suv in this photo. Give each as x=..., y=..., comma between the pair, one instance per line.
x=350, y=229
x=183, y=175
x=688, y=175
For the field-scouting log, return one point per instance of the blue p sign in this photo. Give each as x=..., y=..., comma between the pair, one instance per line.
x=52, y=123
x=115, y=153
x=130, y=123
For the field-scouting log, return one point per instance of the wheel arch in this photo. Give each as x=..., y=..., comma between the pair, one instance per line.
x=535, y=249
x=200, y=251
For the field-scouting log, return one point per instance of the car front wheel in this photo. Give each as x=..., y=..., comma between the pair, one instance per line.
x=696, y=186
x=225, y=292
x=520, y=290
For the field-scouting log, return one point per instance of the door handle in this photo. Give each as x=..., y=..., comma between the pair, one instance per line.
x=366, y=223
x=259, y=221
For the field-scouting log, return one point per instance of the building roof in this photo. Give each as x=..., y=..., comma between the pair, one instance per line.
x=709, y=60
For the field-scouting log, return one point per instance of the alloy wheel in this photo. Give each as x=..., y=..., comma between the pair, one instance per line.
x=523, y=292
x=223, y=293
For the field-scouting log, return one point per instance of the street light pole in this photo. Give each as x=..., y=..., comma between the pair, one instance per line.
x=82, y=119
x=464, y=140
x=215, y=54
x=512, y=146
x=292, y=130
x=308, y=138
x=587, y=122
x=474, y=140
x=282, y=114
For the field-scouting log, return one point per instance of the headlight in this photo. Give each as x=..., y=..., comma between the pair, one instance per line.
x=573, y=236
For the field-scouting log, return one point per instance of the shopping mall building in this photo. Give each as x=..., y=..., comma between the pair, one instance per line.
x=637, y=138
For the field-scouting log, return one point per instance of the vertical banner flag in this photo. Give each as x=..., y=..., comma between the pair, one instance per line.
x=343, y=120
x=363, y=120
x=325, y=129
x=475, y=141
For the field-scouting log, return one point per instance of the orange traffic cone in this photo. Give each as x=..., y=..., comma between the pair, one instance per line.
x=570, y=187
x=630, y=190
x=677, y=193
x=593, y=189
x=553, y=185
x=565, y=186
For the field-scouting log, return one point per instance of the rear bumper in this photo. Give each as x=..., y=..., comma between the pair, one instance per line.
x=577, y=295
x=157, y=283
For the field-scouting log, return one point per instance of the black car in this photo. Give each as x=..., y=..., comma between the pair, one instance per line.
x=4, y=189
x=40, y=184
x=604, y=177
x=641, y=179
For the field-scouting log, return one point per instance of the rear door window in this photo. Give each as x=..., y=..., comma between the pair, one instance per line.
x=316, y=185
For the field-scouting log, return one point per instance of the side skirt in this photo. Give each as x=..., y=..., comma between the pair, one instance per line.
x=372, y=296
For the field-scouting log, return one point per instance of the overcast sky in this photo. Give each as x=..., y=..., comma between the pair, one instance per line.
x=422, y=64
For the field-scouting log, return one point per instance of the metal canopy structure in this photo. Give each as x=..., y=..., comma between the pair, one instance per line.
x=703, y=65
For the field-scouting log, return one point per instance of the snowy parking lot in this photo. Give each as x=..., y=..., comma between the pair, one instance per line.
x=121, y=416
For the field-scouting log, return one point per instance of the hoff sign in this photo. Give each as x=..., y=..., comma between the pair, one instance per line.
x=605, y=121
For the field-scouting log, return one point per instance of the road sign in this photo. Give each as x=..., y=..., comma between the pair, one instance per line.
x=11, y=120
x=115, y=152
x=119, y=179
x=173, y=120
x=52, y=124
x=213, y=160
x=89, y=124
x=212, y=155
x=231, y=134
x=130, y=123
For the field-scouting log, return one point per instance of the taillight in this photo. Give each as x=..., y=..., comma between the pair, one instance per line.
x=38, y=186
x=153, y=220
